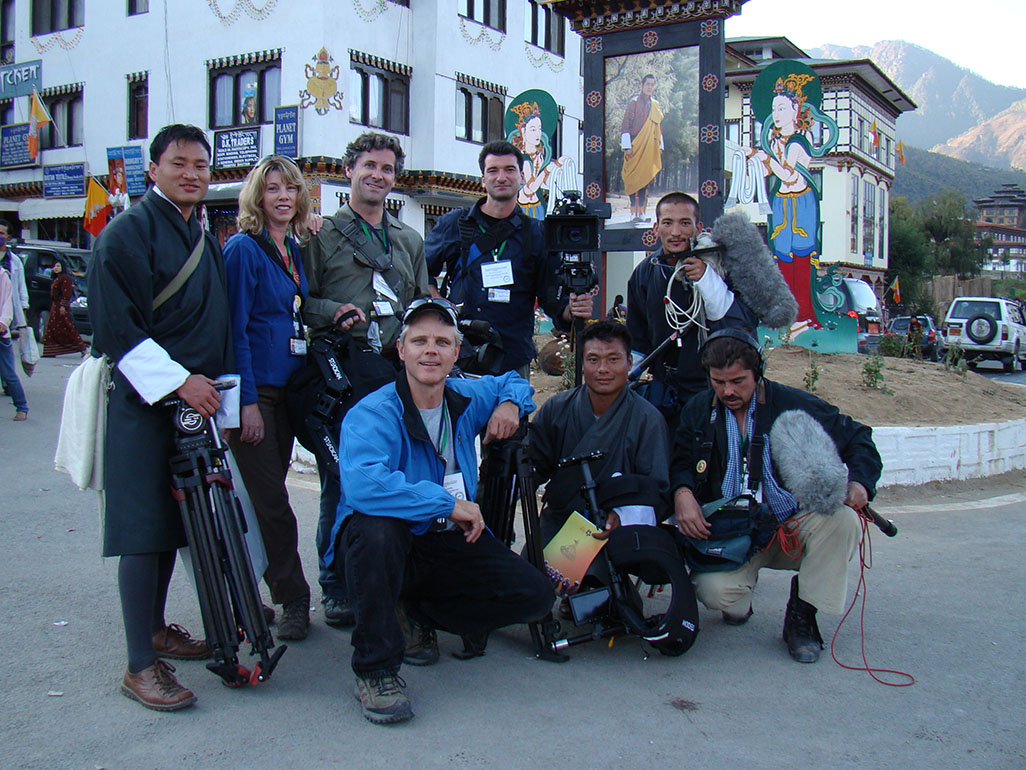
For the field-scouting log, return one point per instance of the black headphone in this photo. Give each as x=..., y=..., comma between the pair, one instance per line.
x=741, y=335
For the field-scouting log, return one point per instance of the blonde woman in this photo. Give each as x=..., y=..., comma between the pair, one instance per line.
x=266, y=290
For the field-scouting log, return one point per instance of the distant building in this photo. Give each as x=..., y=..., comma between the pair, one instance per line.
x=439, y=75
x=1007, y=254
x=1004, y=206
x=856, y=176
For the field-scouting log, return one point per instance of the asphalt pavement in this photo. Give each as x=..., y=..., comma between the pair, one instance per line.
x=944, y=603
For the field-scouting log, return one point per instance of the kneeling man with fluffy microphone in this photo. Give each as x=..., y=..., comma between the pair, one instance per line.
x=759, y=480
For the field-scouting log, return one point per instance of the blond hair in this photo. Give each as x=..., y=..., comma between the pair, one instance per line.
x=251, y=198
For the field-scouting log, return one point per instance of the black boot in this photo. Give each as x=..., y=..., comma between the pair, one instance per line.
x=800, y=630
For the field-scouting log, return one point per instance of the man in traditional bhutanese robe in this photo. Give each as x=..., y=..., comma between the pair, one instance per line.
x=641, y=139
x=603, y=415
x=176, y=349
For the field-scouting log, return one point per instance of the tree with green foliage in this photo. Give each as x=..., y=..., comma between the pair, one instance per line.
x=948, y=221
x=910, y=258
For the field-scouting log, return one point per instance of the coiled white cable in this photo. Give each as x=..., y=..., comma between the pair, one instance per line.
x=677, y=318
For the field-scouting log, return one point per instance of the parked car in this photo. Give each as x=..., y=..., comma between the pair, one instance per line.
x=862, y=304
x=932, y=343
x=987, y=328
x=39, y=259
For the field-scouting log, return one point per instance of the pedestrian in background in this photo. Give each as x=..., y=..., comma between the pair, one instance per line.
x=266, y=291
x=8, y=373
x=61, y=336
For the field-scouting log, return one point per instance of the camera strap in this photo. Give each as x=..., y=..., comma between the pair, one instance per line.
x=370, y=252
x=484, y=240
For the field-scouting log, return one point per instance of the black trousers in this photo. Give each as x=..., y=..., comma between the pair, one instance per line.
x=445, y=582
x=265, y=466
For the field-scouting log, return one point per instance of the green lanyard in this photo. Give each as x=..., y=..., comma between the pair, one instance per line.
x=496, y=253
x=382, y=236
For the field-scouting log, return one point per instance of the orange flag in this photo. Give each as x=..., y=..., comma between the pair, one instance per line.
x=901, y=152
x=896, y=289
x=38, y=117
x=876, y=134
x=96, y=208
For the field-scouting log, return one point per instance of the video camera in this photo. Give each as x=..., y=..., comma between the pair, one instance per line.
x=572, y=229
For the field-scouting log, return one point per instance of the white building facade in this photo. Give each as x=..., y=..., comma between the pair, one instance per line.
x=439, y=75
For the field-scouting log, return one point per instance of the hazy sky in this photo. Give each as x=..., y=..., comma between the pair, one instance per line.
x=991, y=45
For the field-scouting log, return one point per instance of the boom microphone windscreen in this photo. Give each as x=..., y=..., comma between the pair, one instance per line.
x=807, y=462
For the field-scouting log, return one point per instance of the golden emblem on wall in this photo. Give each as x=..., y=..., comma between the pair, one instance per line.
x=321, y=90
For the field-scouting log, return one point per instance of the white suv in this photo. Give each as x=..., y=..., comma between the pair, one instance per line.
x=987, y=328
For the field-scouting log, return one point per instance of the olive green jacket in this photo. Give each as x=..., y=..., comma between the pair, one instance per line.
x=336, y=278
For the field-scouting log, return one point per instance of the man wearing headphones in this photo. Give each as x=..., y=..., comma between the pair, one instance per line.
x=723, y=459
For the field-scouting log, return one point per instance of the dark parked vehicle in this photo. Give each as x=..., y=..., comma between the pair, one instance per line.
x=39, y=260
x=932, y=343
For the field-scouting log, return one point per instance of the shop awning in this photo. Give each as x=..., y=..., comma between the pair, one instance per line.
x=52, y=208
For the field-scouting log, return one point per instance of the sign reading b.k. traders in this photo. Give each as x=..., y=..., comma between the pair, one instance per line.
x=236, y=147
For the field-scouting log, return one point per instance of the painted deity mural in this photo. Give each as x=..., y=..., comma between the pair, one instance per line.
x=530, y=123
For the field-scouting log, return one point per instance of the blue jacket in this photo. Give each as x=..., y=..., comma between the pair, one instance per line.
x=535, y=277
x=261, y=298
x=389, y=467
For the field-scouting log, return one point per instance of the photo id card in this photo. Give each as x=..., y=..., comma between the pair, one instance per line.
x=498, y=273
x=383, y=307
x=498, y=295
x=297, y=346
x=381, y=287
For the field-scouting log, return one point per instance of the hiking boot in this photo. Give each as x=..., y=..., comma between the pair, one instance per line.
x=421, y=641
x=383, y=698
x=337, y=612
x=800, y=630
x=156, y=688
x=175, y=642
x=295, y=619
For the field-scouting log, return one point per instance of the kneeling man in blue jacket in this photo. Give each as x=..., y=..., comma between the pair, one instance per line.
x=410, y=534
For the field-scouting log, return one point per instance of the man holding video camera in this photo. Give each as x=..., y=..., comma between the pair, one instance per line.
x=363, y=261
x=703, y=294
x=770, y=460
x=495, y=263
x=406, y=526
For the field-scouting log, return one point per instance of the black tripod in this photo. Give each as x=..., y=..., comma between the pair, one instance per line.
x=229, y=596
x=506, y=477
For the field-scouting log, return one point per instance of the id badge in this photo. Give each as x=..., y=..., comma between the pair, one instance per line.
x=498, y=295
x=381, y=287
x=383, y=307
x=297, y=347
x=498, y=273
x=453, y=483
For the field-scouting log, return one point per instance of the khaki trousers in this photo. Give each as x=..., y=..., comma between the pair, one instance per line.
x=828, y=543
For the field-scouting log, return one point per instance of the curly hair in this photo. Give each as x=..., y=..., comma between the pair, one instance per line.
x=251, y=199
x=369, y=141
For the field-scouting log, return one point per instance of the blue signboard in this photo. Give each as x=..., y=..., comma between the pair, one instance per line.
x=135, y=169
x=65, y=180
x=286, y=131
x=14, y=149
x=19, y=79
x=238, y=147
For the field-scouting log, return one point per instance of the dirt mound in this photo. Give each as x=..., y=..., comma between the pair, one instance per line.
x=922, y=393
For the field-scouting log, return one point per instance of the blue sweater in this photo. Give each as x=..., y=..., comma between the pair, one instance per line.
x=261, y=297
x=389, y=467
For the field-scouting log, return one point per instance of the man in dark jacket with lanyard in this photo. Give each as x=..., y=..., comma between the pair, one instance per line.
x=495, y=261
x=406, y=524
x=364, y=260
x=722, y=450
x=676, y=372
x=156, y=351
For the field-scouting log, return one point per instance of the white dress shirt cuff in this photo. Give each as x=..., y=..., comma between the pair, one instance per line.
x=717, y=297
x=625, y=141
x=152, y=371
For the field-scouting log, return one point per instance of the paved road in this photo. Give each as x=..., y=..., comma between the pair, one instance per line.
x=945, y=603
x=996, y=371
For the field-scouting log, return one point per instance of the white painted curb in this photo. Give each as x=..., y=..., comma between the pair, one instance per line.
x=911, y=456
x=914, y=456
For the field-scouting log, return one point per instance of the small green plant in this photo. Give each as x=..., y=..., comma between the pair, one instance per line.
x=955, y=360
x=873, y=376
x=892, y=345
x=811, y=375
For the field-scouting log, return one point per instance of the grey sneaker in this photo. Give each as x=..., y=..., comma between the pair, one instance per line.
x=337, y=612
x=295, y=619
x=421, y=641
x=383, y=698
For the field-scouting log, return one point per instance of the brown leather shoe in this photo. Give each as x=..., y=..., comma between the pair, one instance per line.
x=156, y=688
x=175, y=642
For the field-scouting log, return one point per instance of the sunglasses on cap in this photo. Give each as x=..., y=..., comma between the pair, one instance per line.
x=442, y=306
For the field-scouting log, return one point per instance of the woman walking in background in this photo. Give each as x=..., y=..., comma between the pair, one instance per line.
x=266, y=288
x=61, y=336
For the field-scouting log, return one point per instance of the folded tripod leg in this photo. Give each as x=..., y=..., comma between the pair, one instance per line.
x=227, y=590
